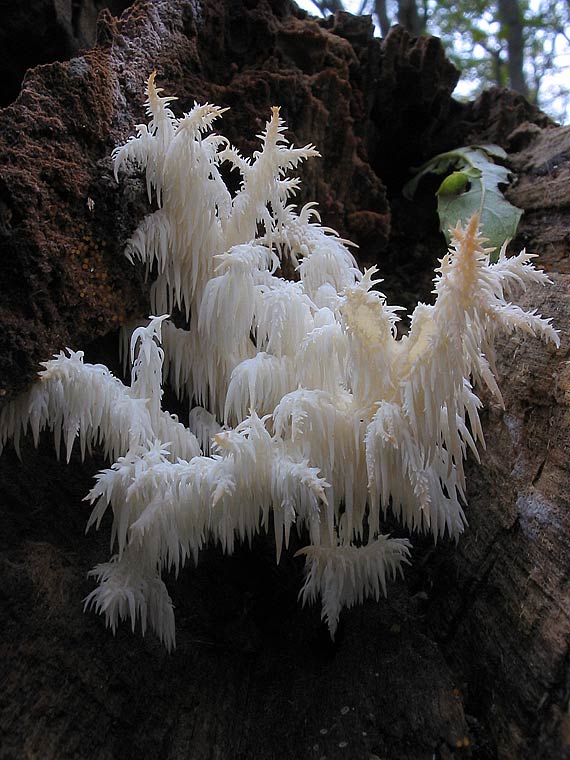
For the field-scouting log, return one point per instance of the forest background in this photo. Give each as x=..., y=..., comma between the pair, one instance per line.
x=521, y=44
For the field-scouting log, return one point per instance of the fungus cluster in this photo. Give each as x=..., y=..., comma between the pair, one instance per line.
x=306, y=409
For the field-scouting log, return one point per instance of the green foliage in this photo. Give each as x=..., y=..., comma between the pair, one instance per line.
x=472, y=185
x=478, y=36
x=476, y=39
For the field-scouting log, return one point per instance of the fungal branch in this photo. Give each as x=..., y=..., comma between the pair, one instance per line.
x=304, y=402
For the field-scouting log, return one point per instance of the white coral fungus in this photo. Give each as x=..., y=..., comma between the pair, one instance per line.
x=335, y=419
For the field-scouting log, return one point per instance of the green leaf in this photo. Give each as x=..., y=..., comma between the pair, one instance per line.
x=472, y=186
x=454, y=185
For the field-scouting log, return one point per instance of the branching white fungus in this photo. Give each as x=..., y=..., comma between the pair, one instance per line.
x=333, y=420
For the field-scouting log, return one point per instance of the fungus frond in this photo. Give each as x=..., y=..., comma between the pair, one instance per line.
x=335, y=419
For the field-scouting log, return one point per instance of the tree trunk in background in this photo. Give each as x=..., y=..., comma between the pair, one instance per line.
x=329, y=6
x=469, y=654
x=382, y=16
x=511, y=21
x=498, y=68
x=409, y=17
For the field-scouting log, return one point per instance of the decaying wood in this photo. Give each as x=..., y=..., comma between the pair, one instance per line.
x=468, y=656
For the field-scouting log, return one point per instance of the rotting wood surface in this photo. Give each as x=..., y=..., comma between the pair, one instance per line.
x=468, y=657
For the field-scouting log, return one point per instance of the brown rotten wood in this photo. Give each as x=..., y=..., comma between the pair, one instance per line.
x=468, y=656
